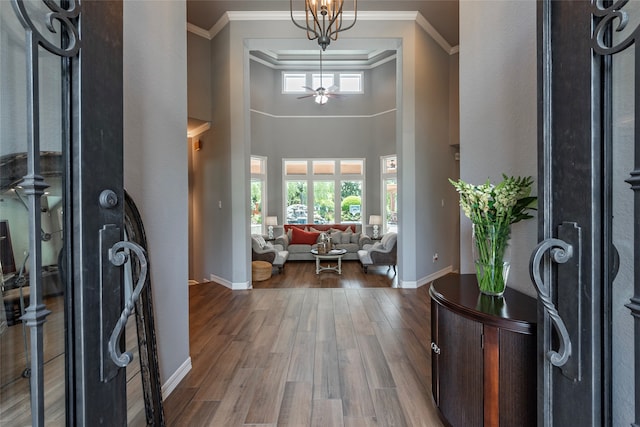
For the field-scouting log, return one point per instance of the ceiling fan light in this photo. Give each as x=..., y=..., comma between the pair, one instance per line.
x=322, y=99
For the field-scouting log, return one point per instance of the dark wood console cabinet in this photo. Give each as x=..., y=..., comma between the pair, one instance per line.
x=483, y=354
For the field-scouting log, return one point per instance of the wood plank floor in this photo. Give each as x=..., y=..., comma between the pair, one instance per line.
x=307, y=350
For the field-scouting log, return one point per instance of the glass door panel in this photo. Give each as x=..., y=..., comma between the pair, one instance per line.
x=622, y=141
x=21, y=269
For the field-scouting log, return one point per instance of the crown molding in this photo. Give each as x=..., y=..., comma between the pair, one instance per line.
x=194, y=29
x=362, y=16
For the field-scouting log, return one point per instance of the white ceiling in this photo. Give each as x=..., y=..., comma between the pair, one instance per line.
x=441, y=14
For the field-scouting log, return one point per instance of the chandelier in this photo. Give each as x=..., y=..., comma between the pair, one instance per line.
x=323, y=19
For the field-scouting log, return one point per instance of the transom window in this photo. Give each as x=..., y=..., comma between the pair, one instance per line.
x=323, y=191
x=295, y=82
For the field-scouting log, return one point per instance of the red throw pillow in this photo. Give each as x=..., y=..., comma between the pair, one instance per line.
x=303, y=237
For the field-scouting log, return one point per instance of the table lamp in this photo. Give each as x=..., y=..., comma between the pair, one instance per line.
x=270, y=221
x=376, y=221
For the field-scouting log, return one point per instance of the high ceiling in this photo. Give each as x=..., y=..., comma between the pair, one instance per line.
x=441, y=14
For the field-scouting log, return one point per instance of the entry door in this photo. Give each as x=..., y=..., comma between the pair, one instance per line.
x=586, y=267
x=62, y=203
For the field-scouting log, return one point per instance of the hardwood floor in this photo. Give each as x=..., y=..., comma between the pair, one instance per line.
x=307, y=350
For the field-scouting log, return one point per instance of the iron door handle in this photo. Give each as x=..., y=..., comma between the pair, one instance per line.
x=118, y=257
x=561, y=252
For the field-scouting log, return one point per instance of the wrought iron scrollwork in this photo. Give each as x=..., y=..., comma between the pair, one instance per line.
x=611, y=16
x=118, y=257
x=561, y=252
x=67, y=19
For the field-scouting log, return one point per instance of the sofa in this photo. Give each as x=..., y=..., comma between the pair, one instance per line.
x=265, y=251
x=384, y=252
x=299, y=239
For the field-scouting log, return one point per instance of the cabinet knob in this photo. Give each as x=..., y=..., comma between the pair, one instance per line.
x=435, y=348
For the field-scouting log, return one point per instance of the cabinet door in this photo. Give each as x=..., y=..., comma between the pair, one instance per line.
x=460, y=374
x=517, y=379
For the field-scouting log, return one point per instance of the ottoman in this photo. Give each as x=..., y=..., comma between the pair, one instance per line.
x=260, y=270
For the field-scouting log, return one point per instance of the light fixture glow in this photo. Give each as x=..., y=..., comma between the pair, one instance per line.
x=321, y=99
x=323, y=19
x=376, y=221
x=270, y=221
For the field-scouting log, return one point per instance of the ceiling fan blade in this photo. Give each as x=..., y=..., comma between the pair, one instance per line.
x=307, y=96
x=333, y=88
x=308, y=88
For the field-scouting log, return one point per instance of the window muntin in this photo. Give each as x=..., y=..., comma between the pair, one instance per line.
x=335, y=190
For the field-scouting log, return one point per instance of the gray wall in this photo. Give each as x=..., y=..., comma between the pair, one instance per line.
x=155, y=166
x=283, y=126
x=436, y=203
x=498, y=129
x=231, y=49
x=199, y=77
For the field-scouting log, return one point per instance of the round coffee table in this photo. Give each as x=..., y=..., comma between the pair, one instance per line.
x=332, y=255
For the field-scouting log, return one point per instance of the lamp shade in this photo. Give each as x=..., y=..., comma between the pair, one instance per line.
x=271, y=220
x=375, y=220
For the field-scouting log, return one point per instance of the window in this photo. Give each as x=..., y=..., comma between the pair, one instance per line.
x=258, y=190
x=351, y=82
x=347, y=82
x=294, y=82
x=330, y=189
x=389, y=167
x=327, y=80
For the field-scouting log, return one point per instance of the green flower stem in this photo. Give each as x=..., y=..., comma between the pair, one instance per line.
x=491, y=242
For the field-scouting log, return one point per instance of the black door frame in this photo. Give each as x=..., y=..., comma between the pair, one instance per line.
x=575, y=170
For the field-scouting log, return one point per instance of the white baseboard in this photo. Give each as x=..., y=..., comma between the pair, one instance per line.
x=175, y=378
x=438, y=274
x=234, y=286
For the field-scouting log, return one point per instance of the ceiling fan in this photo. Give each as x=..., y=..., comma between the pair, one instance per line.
x=321, y=94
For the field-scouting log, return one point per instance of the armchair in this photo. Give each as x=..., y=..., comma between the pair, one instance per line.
x=383, y=252
x=263, y=251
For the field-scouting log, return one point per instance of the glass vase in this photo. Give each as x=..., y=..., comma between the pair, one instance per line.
x=490, y=245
